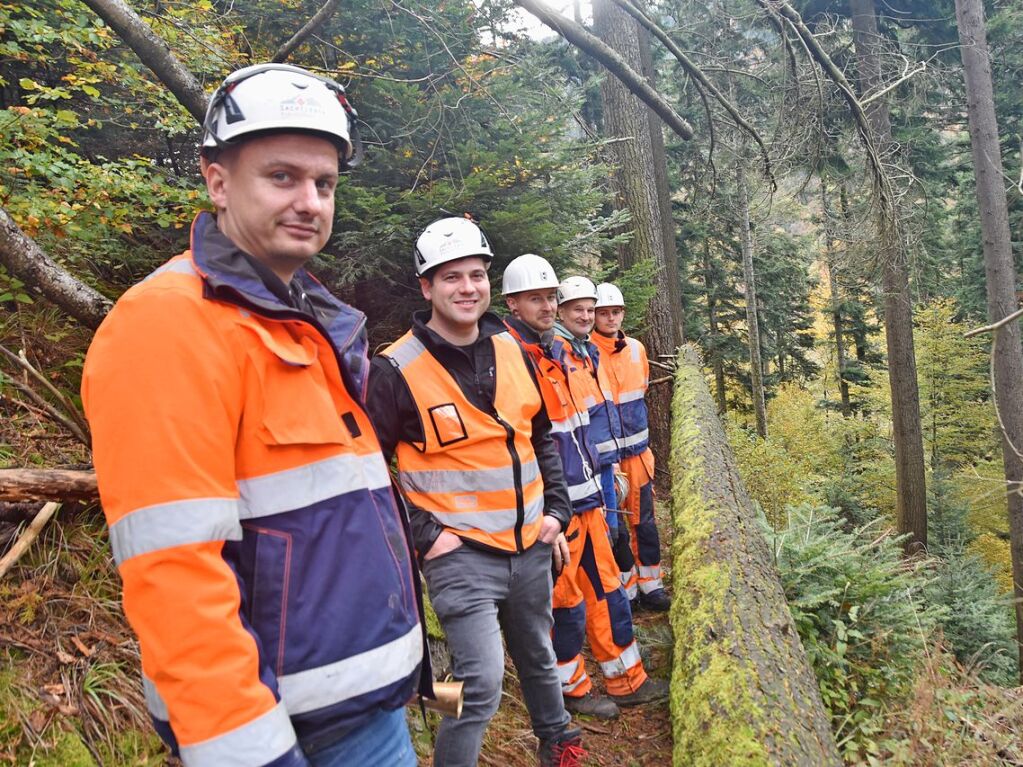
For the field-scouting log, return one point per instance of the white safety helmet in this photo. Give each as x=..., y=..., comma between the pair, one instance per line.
x=609, y=295
x=576, y=287
x=449, y=239
x=281, y=97
x=528, y=272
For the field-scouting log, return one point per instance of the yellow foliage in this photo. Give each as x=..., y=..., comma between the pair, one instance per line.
x=995, y=553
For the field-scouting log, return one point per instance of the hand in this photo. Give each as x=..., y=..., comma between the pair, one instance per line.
x=549, y=529
x=561, y=558
x=446, y=542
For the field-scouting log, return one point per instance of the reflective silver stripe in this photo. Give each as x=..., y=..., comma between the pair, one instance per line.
x=632, y=439
x=154, y=701
x=466, y=480
x=316, y=688
x=649, y=571
x=589, y=401
x=311, y=483
x=183, y=266
x=583, y=489
x=492, y=521
x=167, y=525
x=631, y=396
x=630, y=591
x=565, y=673
x=617, y=667
x=634, y=348
x=571, y=423
x=407, y=352
x=256, y=742
x=652, y=585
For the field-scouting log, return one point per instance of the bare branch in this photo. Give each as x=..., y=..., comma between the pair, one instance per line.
x=699, y=77
x=321, y=16
x=577, y=35
x=153, y=51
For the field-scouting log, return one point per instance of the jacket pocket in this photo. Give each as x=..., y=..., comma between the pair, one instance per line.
x=269, y=554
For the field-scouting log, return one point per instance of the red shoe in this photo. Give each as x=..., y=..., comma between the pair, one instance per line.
x=564, y=751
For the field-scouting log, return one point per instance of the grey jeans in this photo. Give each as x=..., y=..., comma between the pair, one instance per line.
x=476, y=595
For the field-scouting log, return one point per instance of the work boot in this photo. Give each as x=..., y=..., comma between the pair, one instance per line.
x=591, y=704
x=651, y=691
x=657, y=601
x=566, y=750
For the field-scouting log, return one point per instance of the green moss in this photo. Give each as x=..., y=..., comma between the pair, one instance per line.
x=68, y=750
x=714, y=718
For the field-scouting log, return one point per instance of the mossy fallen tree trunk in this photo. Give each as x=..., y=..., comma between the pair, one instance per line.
x=743, y=692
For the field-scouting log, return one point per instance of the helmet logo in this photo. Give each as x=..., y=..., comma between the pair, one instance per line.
x=302, y=105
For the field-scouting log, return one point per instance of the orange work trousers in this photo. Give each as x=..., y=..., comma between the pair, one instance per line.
x=590, y=602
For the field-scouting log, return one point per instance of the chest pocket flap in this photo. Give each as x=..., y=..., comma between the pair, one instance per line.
x=295, y=404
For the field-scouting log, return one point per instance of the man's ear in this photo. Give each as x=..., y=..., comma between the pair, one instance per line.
x=426, y=285
x=512, y=303
x=217, y=177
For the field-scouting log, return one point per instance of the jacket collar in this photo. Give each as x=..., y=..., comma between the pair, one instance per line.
x=609, y=345
x=580, y=346
x=229, y=276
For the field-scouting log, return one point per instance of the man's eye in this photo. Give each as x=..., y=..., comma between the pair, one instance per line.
x=280, y=176
x=326, y=185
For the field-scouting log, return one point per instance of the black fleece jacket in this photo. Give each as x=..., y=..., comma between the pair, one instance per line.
x=394, y=414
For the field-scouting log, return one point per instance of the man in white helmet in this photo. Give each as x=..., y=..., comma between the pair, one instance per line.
x=264, y=559
x=456, y=401
x=625, y=362
x=589, y=596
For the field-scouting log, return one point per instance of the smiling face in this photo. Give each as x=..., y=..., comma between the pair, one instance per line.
x=275, y=197
x=459, y=292
x=536, y=308
x=608, y=320
x=577, y=316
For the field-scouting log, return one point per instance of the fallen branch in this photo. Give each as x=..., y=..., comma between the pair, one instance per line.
x=47, y=484
x=656, y=381
x=25, y=540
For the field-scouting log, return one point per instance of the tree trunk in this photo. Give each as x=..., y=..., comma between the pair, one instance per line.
x=634, y=160
x=716, y=363
x=836, y=304
x=911, y=488
x=47, y=485
x=22, y=258
x=756, y=360
x=743, y=690
x=1000, y=273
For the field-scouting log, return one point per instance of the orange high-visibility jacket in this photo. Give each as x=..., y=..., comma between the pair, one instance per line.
x=570, y=420
x=624, y=360
x=589, y=378
x=476, y=472
x=265, y=567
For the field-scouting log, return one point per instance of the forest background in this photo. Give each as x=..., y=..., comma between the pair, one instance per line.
x=765, y=236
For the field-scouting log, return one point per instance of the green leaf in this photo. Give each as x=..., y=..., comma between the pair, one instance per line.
x=90, y=90
x=28, y=84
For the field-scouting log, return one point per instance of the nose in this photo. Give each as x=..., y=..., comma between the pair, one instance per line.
x=552, y=303
x=308, y=198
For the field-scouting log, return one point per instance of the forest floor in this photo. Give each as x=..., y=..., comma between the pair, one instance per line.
x=640, y=737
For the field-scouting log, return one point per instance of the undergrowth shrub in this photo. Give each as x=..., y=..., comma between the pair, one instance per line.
x=861, y=614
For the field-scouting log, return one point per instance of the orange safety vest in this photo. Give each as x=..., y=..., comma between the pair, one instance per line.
x=475, y=472
x=624, y=361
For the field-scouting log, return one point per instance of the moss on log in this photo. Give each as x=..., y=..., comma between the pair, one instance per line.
x=743, y=692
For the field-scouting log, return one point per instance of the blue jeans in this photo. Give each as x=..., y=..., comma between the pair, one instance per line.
x=382, y=742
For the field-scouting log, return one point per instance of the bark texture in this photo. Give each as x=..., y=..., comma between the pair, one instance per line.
x=743, y=692
x=911, y=489
x=641, y=188
x=154, y=53
x=838, y=325
x=47, y=485
x=321, y=16
x=999, y=271
x=20, y=255
x=756, y=359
